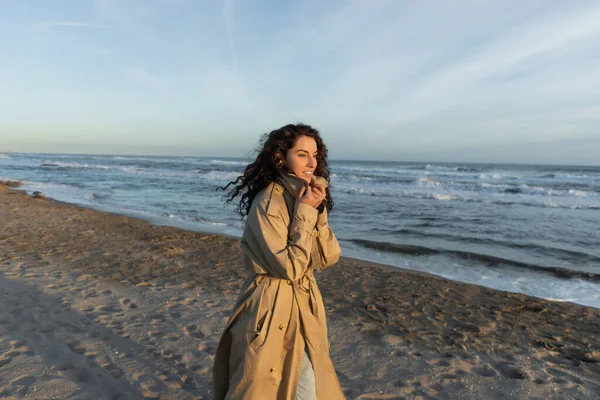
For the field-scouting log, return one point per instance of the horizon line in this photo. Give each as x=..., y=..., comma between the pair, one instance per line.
x=331, y=159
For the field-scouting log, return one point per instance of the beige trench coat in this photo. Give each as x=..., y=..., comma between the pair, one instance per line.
x=280, y=308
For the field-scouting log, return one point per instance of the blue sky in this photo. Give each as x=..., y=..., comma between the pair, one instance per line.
x=488, y=80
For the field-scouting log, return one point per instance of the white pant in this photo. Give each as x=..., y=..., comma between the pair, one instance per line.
x=306, y=383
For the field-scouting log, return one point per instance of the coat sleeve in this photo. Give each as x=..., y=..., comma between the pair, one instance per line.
x=329, y=248
x=287, y=252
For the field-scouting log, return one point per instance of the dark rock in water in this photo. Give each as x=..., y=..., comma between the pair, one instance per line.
x=49, y=165
x=39, y=195
x=514, y=190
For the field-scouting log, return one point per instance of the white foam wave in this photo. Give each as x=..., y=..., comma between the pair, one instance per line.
x=430, y=167
x=33, y=185
x=229, y=163
x=494, y=195
x=344, y=170
x=426, y=182
x=78, y=165
x=353, y=178
x=495, y=176
x=59, y=191
x=219, y=176
x=578, y=193
x=4, y=157
x=444, y=197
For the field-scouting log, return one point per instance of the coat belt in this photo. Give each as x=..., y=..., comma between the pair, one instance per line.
x=304, y=284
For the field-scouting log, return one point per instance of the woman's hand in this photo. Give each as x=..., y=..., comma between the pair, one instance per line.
x=313, y=195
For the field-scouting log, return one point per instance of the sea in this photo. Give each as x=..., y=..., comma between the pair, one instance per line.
x=532, y=229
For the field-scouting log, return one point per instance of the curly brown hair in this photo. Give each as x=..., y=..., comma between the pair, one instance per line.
x=272, y=152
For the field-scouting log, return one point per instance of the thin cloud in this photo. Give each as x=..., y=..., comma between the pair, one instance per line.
x=77, y=24
x=228, y=12
x=145, y=78
x=512, y=51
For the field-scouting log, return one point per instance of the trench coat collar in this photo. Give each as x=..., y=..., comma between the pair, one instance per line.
x=293, y=183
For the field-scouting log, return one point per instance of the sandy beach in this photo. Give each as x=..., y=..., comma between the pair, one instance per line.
x=101, y=306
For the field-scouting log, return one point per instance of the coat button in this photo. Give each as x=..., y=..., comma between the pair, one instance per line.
x=272, y=370
x=281, y=327
x=289, y=282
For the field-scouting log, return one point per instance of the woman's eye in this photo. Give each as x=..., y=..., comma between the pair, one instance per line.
x=303, y=155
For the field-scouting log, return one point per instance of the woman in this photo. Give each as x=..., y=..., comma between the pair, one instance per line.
x=275, y=344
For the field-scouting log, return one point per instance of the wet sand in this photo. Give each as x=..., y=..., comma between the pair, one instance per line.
x=100, y=306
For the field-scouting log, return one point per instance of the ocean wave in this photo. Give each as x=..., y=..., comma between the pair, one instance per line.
x=229, y=163
x=441, y=168
x=373, y=171
x=430, y=183
x=206, y=221
x=488, y=260
x=34, y=185
x=71, y=165
x=4, y=157
x=219, y=176
x=134, y=170
x=372, y=179
x=509, y=196
x=497, y=176
x=452, y=236
x=508, y=188
x=444, y=197
x=96, y=196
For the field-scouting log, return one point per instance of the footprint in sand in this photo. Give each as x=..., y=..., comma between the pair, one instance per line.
x=113, y=370
x=107, y=308
x=192, y=330
x=126, y=302
x=484, y=371
x=206, y=348
x=78, y=374
x=18, y=343
x=76, y=347
x=199, y=369
x=445, y=377
x=157, y=317
x=18, y=347
x=509, y=371
x=64, y=366
x=171, y=338
x=19, y=386
x=90, y=293
x=558, y=374
x=4, y=360
x=147, y=382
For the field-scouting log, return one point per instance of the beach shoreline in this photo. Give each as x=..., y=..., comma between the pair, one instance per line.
x=94, y=281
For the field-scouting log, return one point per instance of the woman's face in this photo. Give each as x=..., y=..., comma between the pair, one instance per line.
x=302, y=158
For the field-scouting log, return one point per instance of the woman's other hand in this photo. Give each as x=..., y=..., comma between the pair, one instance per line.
x=312, y=195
